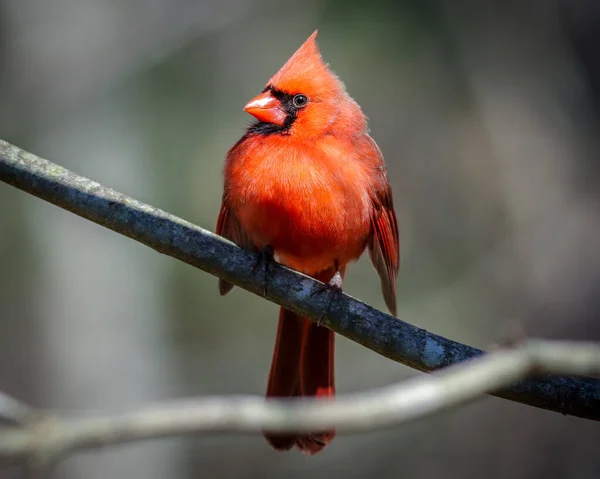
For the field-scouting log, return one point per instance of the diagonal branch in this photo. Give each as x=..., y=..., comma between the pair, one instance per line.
x=168, y=234
x=49, y=438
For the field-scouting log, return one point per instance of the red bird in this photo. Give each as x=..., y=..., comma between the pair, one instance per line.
x=307, y=182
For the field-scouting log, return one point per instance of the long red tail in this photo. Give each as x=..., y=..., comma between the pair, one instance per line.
x=302, y=366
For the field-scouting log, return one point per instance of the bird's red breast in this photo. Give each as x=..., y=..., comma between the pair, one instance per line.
x=309, y=201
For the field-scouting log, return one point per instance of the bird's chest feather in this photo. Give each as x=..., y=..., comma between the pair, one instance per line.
x=303, y=203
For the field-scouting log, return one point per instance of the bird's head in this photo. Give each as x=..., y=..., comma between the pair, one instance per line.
x=304, y=98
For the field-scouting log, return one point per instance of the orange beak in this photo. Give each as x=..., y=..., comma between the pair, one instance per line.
x=265, y=107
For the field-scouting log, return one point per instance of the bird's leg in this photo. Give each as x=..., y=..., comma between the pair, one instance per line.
x=334, y=285
x=265, y=256
x=336, y=282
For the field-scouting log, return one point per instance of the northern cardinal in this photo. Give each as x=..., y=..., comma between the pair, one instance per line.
x=307, y=183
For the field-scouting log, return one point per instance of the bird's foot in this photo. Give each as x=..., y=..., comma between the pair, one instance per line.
x=265, y=257
x=334, y=286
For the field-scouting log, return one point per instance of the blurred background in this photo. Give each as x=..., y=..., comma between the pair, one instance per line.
x=488, y=116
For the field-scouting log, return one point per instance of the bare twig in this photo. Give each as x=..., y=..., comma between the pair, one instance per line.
x=14, y=412
x=52, y=437
x=347, y=316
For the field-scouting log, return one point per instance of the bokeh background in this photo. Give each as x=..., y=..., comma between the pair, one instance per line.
x=488, y=116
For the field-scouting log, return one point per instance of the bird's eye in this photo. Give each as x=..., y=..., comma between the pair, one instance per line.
x=300, y=101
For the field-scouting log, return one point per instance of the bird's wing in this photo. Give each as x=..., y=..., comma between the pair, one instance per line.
x=384, y=242
x=229, y=227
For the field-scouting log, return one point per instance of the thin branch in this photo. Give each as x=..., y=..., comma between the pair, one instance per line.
x=51, y=437
x=14, y=412
x=168, y=234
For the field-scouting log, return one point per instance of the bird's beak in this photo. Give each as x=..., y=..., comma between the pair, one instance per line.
x=265, y=107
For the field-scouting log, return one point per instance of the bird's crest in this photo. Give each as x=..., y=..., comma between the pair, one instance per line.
x=306, y=72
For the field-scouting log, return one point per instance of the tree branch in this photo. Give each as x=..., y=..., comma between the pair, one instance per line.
x=14, y=412
x=347, y=316
x=50, y=437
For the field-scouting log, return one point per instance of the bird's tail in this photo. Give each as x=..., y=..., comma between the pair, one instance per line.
x=303, y=365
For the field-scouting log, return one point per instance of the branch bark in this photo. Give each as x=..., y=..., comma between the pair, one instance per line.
x=50, y=437
x=173, y=236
